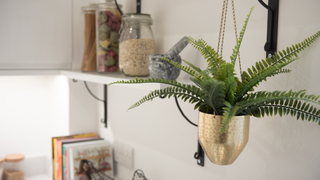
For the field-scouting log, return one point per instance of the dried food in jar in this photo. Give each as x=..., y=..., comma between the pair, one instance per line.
x=134, y=55
x=108, y=22
x=89, y=54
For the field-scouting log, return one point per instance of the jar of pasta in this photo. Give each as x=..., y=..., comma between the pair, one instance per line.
x=136, y=44
x=89, y=57
x=108, y=22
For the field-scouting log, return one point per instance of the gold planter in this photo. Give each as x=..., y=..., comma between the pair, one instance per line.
x=223, y=149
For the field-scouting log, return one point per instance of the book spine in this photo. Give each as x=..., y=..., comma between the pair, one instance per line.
x=67, y=165
x=85, y=135
x=59, y=172
x=70, y=162
x=63, y=162
x=55, y=159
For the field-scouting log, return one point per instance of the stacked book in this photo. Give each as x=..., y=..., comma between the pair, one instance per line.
x=81, y=156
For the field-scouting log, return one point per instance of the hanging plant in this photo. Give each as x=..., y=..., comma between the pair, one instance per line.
x=218, y=91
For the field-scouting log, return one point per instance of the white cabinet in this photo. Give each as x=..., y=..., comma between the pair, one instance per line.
x=36, y=34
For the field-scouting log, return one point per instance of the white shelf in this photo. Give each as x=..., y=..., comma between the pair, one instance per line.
x=38, y=177
x=101, y=78
x=107, y=78
x=29, y=72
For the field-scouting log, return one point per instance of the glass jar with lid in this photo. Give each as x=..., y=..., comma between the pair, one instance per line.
x=89, y=54
x=12, y=169
x=108, y=22
x=136, y=44
x=1, y=167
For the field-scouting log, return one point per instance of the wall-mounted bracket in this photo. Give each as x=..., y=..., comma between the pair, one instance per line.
x=199, y=155
x=105, y=89
x=272, y=30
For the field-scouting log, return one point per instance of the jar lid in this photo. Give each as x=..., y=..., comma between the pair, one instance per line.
x=107, y=4
x=14, y=157
x=88, y=8
x=1, y=161
x=138, y=17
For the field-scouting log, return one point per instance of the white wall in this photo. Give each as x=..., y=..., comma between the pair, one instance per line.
x=36, y=34
x=164, y=143
x=32, y=110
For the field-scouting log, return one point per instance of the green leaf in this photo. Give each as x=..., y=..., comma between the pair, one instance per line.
x=214, y=94
x=237, y=46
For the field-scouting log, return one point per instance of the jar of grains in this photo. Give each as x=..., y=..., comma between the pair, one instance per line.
x=12, y=167
x=108, y=22
x=136, y=44
x=90, y=53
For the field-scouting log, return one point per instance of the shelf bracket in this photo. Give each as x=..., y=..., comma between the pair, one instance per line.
x=105, y=89
x=199, y=155
x=272, y=27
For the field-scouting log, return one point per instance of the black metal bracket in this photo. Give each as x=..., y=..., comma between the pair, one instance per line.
x=105, y=88
x=199, y=155
x=272, y=30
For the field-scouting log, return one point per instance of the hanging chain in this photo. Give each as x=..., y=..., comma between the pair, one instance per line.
x=222, y=18
x=236, y=32
x=222, y=29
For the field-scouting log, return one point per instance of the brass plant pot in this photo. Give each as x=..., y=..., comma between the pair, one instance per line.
x=223, y=149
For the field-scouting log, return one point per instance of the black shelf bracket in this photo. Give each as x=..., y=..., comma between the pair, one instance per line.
x=105, y=89
x=272, y=30
x=199, y=155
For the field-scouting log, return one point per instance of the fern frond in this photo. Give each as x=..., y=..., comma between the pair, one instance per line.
x=196, y=81
x=235, y=53
x=192, y=66
x=294, y=50
x=270, y=67
x=252, y=80
x=212, y=71
x=183, y=68
x=307, y=112
x=168, y=92
x=229, y=112
x=186, y=87
x=214, y=94
x=227, y=75
x=212, y=57
x=280, y=98
x=281, y=71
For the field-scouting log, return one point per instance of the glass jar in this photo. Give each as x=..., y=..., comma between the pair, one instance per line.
x=136, y=44
x=108, y=22
x=1, y=168
x=89, y=54
x=12, y=167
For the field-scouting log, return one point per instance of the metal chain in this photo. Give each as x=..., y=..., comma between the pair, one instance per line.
x=225, y=10
x=236, y=32
x=222, y=17
x=222, y=29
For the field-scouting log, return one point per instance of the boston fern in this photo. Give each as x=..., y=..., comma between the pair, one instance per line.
x=217, y=89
